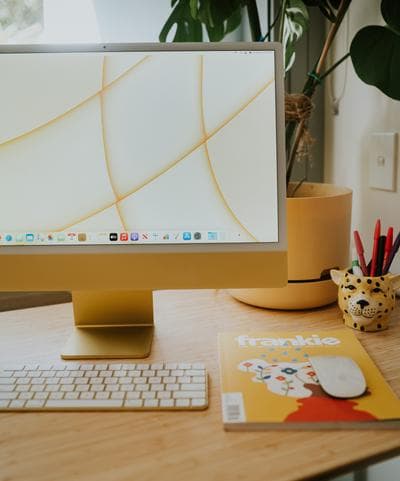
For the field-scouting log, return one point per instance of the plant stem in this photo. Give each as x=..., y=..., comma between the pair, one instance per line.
x=271, y=26
x=336, y=64
x=282, y=21
x=309, y=89
x=268, y=34
x=254, y=20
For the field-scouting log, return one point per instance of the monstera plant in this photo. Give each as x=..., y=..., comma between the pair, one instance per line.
x=374, y=51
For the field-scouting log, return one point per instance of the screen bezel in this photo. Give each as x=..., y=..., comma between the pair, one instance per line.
x=280, y=245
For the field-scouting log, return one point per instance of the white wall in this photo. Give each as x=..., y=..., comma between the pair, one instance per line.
x=363, y=110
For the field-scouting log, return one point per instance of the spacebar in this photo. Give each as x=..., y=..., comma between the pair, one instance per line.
x=84, y=403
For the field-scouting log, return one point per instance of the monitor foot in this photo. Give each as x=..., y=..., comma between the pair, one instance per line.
x=111, y=325
x=109, y=343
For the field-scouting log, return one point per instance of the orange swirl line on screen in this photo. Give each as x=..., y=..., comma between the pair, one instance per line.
x=105, y=145
x=77, y=106
x=209, y=163
x=171, y=165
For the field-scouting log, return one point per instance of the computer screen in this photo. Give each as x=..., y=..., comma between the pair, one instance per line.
x=138, y=147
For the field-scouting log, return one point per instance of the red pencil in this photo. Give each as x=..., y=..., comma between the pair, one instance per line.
x=388, y=247
x=377, y=234
x=360, y=252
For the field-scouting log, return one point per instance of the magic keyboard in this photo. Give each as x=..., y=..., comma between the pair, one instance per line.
x=73, y=386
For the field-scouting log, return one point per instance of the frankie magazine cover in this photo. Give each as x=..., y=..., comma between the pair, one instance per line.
x=267, y=381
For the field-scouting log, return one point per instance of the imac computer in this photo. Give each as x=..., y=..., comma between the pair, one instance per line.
x=130, y=168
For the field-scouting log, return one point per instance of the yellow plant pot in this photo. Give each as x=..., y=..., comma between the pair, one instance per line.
x=318, y=230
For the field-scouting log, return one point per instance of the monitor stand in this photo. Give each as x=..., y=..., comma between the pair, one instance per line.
x=111, y=325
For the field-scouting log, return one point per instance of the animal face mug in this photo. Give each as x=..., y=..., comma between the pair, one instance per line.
x=366, y=302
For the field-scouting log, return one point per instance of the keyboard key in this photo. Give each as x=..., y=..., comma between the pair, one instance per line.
x=182, y=402
x=134, y=403
x=140, y=380
x=20, y=388
x=148, y=395
x=142, y=387
x=100, y=367
x=17, y=404
x=67, y=388
x=41, y=395
x=71, y=395
x=66, y=380
x=133, y=395
x=102, y=395
x=7, y=387
x=164, y=395
x=52, y=388
x=151, y=403
x=193, y=387
x=198, y=365
x=157, y=387
x=25, y=395
x=166, y=403
x=23, y=380
x=82, y=388
x=194, y=372
x=86, y=395
x=127, y=387
x=187, y=394
x=34, y=404
x=117, y=395
x=7, y=380
x=87, y=367
x=172, y=387
x=128, y=366
x=112, y=387
x=56, y=395
x=184, y=365
x=142, y=367
x=85, y=403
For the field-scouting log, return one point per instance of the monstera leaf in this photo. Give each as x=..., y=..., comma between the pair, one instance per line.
x=375, y=51
x=219, y=18
x=295, y=24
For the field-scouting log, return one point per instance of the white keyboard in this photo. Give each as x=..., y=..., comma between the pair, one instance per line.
x=100, y=386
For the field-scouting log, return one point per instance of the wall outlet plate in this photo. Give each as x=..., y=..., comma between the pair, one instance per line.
x=382, y=161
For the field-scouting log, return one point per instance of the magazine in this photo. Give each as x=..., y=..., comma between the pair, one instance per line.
x=267, y=381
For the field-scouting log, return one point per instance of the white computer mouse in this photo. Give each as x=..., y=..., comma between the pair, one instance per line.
x=339, y=376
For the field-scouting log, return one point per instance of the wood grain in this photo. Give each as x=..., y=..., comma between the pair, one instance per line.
x=183, y=445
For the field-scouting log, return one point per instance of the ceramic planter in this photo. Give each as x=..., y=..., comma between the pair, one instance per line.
x=318, y=229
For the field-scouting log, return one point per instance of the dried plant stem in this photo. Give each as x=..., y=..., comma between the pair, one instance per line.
x=309, y=89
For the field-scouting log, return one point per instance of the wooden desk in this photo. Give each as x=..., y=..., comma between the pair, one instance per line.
x=189, y=446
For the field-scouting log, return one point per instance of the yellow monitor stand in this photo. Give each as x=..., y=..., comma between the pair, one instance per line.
x=111, y=325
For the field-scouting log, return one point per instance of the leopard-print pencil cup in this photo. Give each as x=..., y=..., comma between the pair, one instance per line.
x=366, y=302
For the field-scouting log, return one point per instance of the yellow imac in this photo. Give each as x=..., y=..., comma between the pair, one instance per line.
x=130, y=168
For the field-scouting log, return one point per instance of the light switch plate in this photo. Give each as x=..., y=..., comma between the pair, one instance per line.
x=382, y=161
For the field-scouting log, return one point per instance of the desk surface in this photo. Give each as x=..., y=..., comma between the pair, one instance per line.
x=182, y=445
